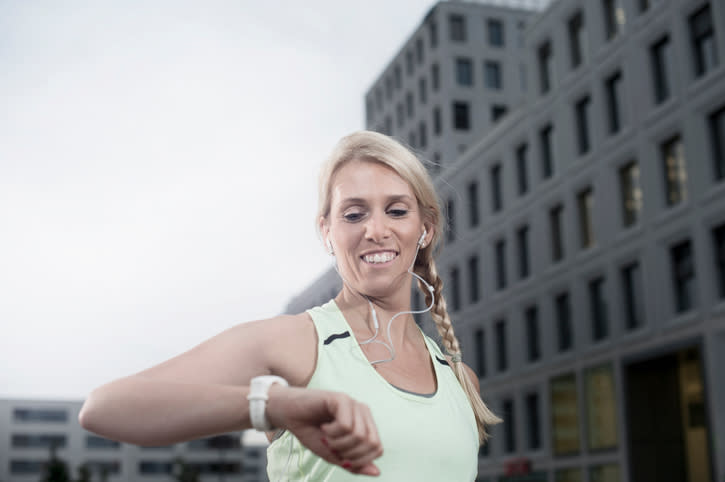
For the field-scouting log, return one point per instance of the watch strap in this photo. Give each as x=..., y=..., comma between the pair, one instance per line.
x=258, y=396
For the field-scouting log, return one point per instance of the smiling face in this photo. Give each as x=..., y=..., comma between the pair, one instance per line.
x=374, y=225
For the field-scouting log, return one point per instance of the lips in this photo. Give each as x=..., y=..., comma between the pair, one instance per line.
x=379, y=257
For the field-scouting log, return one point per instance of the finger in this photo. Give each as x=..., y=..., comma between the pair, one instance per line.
x=355, y=438
x=343, y=421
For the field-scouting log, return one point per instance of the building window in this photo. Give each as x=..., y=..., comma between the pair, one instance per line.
x=389, y=87
x=531, y=317
x=522, y=168
x=500, y=249
x=601, y=407
x=399, y=114
x=398, y=76
x=702, y=36
x=563, y=322
x=473, y=218
x=27, y=467
x=492, y=74
x=412, y=139
x=422, y=90
x=38, y=441
x=496, y=194
x=582, y=124
x=598, y=309
x=631, y=193
x=564, y=415
x=717, y=142
x=509, y=426
x=40, y=415
x=474, y=292
x=422, y=135
x=455, y=289
x=547, y=151
x=659, y=57
x=718, y=239
x=110, y=467
x=435, y=74
x=433, y=34
x=604, y=472
x=633, y=296
x=479, y=339
x=437, y=121
x=545, y=67
x=613, y=17
x=577, y=39
x=502, y=355
x=464, y=72
x=388, y=125
x=457, y=25
x=379, y=98
x=683, y=275
x=644, y=5
x=451, y=215
x=522, y=240
x=498, y=111
x=409, y=107
x=495, y=32
x=557, y=234
x=613, y=86
x=408, y=62
x=673, y=161
x=154, y=467
x=585, y=203
x=461, y=116
x=533, y=422
x=419, y=51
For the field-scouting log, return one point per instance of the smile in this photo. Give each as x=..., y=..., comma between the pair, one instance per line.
x=379, y=258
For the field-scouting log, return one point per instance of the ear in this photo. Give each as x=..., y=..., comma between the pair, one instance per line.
x=324, y=228
x=430, y=232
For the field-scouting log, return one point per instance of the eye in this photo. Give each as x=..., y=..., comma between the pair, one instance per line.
x=397, y=212
x=353, y=217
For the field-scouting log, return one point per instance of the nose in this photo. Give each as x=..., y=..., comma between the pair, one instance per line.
x=376, y=228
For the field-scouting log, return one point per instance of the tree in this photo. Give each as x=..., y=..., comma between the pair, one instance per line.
x=183, y=472
x=55, y=470
x=84, y=473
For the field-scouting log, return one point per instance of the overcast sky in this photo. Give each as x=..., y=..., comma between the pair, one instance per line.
x=158, y=165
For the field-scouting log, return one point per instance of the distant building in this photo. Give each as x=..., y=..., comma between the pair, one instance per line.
x=29, y=428
x=585, y=256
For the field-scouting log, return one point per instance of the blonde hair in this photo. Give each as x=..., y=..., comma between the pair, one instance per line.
x=375, y=147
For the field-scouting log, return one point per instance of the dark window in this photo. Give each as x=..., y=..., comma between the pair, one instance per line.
x=496, y=194
x=644, y=5
x=613, y=86
x=422, y=135
x=702, y=36
x=533, y=423
x=479, y=339
x=39, y=441
x=389, y=87
x=683, y=275
x=399, y=114
x=492, y=74
x=457, y=25
x=433, y=34
x=498, y=111
x=717, y=142
x=633, y=295
x=585, y=201
x=563, y=322
x=547, y=152
x=96, y=442
x=577, y=39
x=598, y=309
x=631, y=194
x=533, y=349
x=474, y=293
x=419, y=50
x=422, y=90
x=451, y=215
x=522, y=168
x=500, y=264
x=455, y=289
x=154, y=467
x=464, y=72
x=502, y=355
x=613, y=17
x=109, y=467
x=409, y=62
x=544, y=56
x=379, y=98
x=215, y=442
x=522, y=240
x=718, y=239
x=398, y=75
x=435, y=75
x=582, y=124
x=673, y=166
x=473, y=218
x=409, y=104
x=495, y=32
x=509, y=426
x=461, y=116
x=42, y=415
x=436, y=121
x=27, y=467
x=659, y=56
x=557, y=235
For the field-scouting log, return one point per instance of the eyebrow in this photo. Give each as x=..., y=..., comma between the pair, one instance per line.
x=389, y=199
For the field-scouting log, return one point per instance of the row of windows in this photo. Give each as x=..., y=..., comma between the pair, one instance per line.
x=673, y=167
x=40, y=415
x=44, y=440
x=458, y=32
x=701, y=39
x=147, y=467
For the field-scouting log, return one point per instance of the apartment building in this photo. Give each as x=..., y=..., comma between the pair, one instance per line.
x=585, y=253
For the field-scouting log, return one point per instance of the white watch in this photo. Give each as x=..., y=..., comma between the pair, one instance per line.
x=258, y=389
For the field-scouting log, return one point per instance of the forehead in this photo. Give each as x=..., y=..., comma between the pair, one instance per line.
x=367, y=180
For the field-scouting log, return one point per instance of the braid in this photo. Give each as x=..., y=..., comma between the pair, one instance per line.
x=426, y=268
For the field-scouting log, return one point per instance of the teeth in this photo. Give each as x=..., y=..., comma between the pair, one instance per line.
x=379, y=257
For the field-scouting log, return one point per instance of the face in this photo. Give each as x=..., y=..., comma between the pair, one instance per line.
x=374, y=226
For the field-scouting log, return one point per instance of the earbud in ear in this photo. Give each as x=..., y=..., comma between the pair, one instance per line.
x=421, y=241
x=329, y=247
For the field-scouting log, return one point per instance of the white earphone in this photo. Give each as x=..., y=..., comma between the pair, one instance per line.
x=329, y=247
x=421, y=241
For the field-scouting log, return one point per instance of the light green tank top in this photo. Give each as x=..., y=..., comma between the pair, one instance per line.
x=425, y=437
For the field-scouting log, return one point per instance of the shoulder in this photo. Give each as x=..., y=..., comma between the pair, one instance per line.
x=290, y=346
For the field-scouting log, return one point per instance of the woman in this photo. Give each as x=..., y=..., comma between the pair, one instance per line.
x=368, y=393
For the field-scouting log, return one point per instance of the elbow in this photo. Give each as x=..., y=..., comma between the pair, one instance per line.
x=87, y=417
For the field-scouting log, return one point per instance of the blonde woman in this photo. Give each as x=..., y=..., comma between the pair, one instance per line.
x=348, y=389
